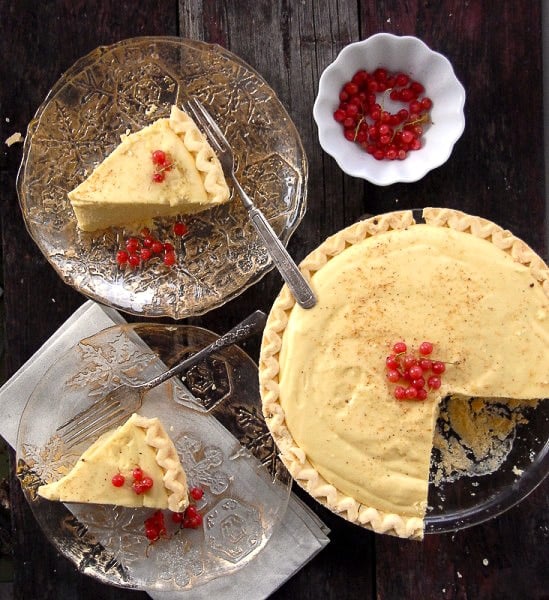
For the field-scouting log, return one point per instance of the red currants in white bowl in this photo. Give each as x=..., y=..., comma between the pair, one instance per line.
x=389, y=109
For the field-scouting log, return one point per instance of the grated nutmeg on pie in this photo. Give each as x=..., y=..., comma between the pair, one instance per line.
x=475, y=291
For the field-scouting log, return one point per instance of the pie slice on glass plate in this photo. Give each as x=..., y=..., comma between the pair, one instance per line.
x=166, y=169
x=119, y=467
x=477, y=293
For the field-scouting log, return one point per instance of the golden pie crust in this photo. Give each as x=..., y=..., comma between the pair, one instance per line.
x=139, y=442
x=283, y=370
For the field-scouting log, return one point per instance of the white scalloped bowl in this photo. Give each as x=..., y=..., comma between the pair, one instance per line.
x=404, y=54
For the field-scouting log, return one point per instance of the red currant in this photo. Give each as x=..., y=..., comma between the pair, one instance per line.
x=422, y=394
x=134, y=260
x=418, y=383
x=118, y=480
x=393, y=375
x=438, y=367
x=180, y=229
x=146, y=483
x=426, y=364
x=138, y=487
x=391, y=362
x=400, y=392
x=425, y=348
x=137, y=474
x=122, y=257
x=411, y=392
x=434, y=382
x=157, y=247
x=196, y=493
x=192, y=518
x=409, y=361
x=132, y=244
x=145, y=254
x=169, y=259
x=159, y=176
x=415, y=371
x=155, y=526
x=399, y=348
x=159, y=157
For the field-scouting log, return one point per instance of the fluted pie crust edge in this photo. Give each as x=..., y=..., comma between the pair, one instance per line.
x=291, y=454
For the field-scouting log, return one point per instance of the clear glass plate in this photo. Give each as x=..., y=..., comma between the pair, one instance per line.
x=221, y=437
x=125, y=87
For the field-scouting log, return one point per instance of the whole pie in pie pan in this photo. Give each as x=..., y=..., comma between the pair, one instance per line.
x=446, y=319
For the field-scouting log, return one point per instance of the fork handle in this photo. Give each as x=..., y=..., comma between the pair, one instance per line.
x=293, y=277
x=286, y=266
x=252, y=324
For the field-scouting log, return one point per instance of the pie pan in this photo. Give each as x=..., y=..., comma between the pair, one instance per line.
x=487, y=454
x=221, y=438
x=122, y=88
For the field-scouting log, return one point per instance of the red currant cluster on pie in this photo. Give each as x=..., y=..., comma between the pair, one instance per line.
x=140, y=250
x=163, y=163
x=416, y=373
x=141, y=483
x=365, y=120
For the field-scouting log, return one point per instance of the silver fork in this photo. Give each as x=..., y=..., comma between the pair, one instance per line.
x=121, y=402
x=283, y=261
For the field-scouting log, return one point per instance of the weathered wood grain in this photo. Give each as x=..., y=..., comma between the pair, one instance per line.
x=496, y=170
x=43, y=39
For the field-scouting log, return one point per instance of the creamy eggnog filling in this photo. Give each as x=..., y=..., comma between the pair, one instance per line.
x=140, y=442
x=122, y=189
x=486, y=314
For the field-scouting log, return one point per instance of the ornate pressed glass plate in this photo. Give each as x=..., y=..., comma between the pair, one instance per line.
x=125, y=87
x=218, y=430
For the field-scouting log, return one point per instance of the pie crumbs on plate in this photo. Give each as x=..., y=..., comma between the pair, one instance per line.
x=139, y=443
x=474, y=290
x=122, y=190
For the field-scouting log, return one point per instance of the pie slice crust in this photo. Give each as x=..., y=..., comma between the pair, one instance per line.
x=327, y=430
x=139, y=442
x=121, y=191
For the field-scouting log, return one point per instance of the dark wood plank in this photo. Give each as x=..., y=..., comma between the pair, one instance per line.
x=496, y=170
x=43, y=40
x=504, y=559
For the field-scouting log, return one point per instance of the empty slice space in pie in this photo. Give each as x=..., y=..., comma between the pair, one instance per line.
x=129, y=187
x=476, y=292
x=140, y=443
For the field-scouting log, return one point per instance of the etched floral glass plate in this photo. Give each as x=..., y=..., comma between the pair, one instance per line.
x=122, y=88
x=216, y=424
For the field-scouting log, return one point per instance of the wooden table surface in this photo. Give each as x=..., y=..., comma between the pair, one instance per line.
x=496, y=170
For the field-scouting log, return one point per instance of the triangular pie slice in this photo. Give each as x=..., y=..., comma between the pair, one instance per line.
x=139, y=443
x=474, y=290
x=122, y=190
